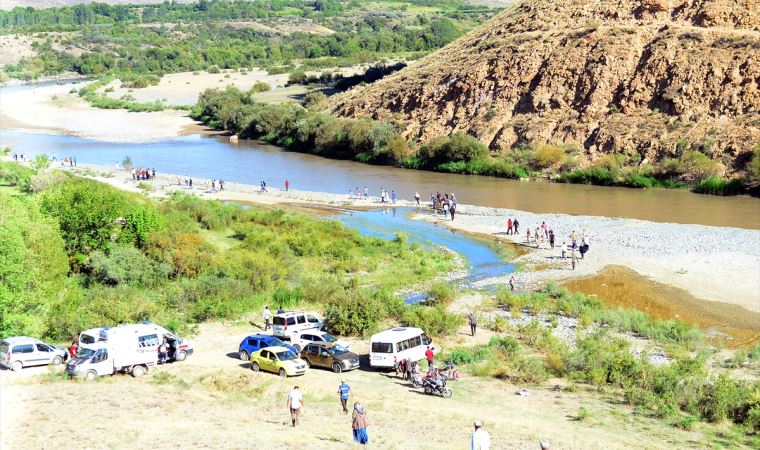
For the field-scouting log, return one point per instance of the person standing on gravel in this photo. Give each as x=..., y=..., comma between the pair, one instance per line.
x=512, y=283
x=429, y=355
x=545, y=229
x=452, y=210
x=551, y=238
x=344, y=391
x=509, y=226
x=266, y=315
x=417, y=198
x=473, y=324
x=517, y=225
x=295, y=403
x=527, y=236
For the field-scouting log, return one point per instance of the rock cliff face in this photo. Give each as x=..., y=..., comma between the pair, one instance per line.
x=623, y=76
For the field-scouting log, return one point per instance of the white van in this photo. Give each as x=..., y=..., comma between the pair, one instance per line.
x=287, y=324
x=397, y=344
x=130, y=348
x=89, y=337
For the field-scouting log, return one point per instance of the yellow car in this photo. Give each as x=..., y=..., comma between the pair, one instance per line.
x=278, y=360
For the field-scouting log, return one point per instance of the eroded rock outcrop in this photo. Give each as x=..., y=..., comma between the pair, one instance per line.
x=634, y=76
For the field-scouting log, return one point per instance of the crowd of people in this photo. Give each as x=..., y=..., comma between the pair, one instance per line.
x=445, y=204
x=545, y=234
x=142, y=173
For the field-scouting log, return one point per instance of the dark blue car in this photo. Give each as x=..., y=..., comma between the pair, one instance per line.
x=256, y=342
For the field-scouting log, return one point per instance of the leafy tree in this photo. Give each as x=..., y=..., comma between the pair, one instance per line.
x=125, y=264
x=33, y=266
x=87, y=212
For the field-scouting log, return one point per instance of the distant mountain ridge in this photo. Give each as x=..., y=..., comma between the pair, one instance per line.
x=639, y=77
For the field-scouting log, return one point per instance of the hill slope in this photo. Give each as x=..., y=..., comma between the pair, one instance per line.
x=630, y=76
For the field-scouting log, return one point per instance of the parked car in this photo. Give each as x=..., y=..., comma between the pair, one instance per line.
x=255, y=342
x=278, y=360
x=23, y=351
x=286, y=324
x=331, y=356
x=304, y=338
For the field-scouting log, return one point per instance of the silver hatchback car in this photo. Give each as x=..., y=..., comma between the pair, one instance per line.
x=22, y=351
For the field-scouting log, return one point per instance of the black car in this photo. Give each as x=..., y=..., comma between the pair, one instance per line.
x=331, y=356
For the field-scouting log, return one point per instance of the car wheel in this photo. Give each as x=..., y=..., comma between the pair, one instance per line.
x=138, y=371
x=283, y=374
x=182, y=355
x=91, y=375
x=244, y=355
x=17, y=366
x=255, y=366
x=57, y=361
x=447, y=393
x=337, y=368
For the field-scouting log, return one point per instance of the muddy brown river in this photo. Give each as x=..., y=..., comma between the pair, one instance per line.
x=250, y=162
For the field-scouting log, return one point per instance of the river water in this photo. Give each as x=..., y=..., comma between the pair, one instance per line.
x=251, y=161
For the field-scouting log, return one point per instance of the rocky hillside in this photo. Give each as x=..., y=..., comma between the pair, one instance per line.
x=640, y=77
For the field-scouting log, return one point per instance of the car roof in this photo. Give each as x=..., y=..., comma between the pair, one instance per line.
x=316, y=331
x=293, y=313
x=17, y=339
x=323, y=344
x=261, y=336
x=276, y=348
x=396, y=333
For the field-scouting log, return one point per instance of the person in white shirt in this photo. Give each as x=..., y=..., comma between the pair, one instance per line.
x=266, y=315
x=295, y=402
x=480, y=439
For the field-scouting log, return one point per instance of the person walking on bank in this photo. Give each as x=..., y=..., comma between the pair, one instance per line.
x=516, y=225
x=266, y=315
x=551, y=238
x=473, y=324
x=393, y=197
x=509, y=226
x=480, y=440
x=512, y=283
x=287, y=185
x=359, y=424
x=343, y=391
x=295, y=402
x=452, y=210
x=417, y=198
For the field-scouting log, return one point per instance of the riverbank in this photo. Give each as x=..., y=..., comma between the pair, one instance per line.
x=54, y=109
x=716, y=264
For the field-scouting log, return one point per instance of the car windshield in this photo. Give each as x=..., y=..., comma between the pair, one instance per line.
x=286, y=356
x=276, y=343
x=85, y=353
x=337, y=350
x=328, y=337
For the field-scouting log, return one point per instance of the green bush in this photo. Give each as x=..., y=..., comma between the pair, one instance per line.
x=358, y=314
x=435, y=320
x=126, y=265
x=260, y=86
x=45, y=180
x=213, y=69
x=442, y=294
x=15, y=174
x=87, y=212
x=548, y=156
x=719, y=186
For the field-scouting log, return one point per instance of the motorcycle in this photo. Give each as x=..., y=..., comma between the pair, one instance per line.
x=450, y=371
x=437, y=387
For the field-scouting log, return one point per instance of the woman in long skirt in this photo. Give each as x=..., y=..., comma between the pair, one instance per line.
x=360, y=424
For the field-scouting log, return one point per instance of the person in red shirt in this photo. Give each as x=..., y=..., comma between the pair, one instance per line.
x=509, y=226
x=287, y=185
x=73, y=349
x=429, y=355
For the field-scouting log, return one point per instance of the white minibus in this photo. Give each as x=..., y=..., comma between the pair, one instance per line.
x=397, y=344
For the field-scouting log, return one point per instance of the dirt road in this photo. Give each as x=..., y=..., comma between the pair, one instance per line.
x=213, y=400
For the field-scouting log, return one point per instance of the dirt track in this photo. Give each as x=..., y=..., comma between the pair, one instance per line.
x=211, y=401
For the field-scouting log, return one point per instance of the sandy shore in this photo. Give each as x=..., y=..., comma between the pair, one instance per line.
x=54, y=109
x=711, y=263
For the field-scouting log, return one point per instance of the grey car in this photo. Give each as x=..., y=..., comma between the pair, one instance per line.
x=23, y=351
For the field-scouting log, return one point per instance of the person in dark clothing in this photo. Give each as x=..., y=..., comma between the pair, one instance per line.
x=473, y=324
x=281, y=310
x=551, y=238
x=452, y=210
x=517, y=226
